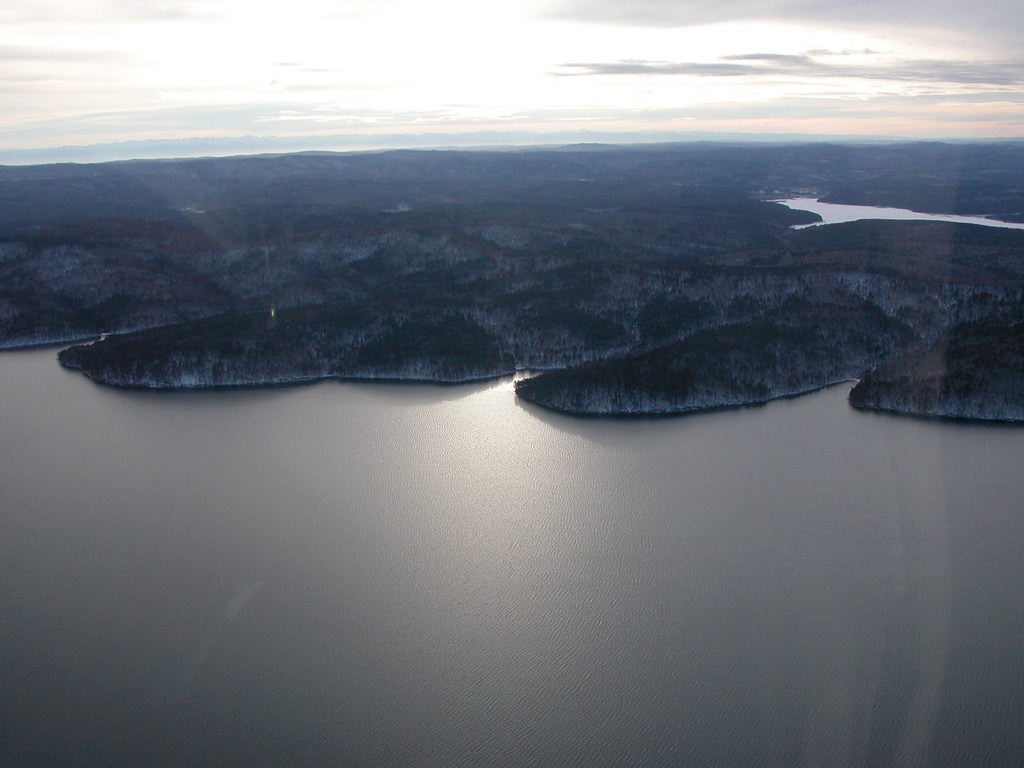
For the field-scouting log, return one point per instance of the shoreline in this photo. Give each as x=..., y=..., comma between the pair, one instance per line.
x=690, y=411
x=296, y=381
x=948, y=418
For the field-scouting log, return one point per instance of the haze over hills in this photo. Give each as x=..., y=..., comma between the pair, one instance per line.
x=496, y=140
x=646, y=279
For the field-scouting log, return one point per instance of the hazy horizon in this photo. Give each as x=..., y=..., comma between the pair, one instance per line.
x=356, y=74
x=241, y=146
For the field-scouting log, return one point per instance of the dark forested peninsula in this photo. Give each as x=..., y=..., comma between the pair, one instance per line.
x=974, y=372
x=654, y=279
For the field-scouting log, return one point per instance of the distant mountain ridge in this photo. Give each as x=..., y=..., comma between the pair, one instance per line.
x=229, y=146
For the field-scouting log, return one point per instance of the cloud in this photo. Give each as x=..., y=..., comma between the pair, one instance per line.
x=15, y=53
x=995, y=14
x=166, y=10
x=105, y=11
x=777, y=58
x=846, y=52
x=991, y=25
x=1000, y=73
x=1005, y=72
x=636, y=67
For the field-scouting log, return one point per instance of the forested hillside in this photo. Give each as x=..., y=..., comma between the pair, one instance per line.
x=654, y=280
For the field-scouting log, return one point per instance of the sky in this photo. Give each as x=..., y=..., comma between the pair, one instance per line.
x=84, y=72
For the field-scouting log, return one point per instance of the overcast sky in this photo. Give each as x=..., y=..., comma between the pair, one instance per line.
x=92, y=71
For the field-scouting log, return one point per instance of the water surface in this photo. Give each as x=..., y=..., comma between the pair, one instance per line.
x=368, y=575
x=835, y=213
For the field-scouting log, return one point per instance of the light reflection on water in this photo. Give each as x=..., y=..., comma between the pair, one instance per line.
x=406, y=575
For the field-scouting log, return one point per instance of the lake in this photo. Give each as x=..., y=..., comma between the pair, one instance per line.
x=409, y=575
x=836, y=213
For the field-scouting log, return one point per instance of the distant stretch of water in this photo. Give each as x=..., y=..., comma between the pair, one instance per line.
x=834, y=213
x=424, y=577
